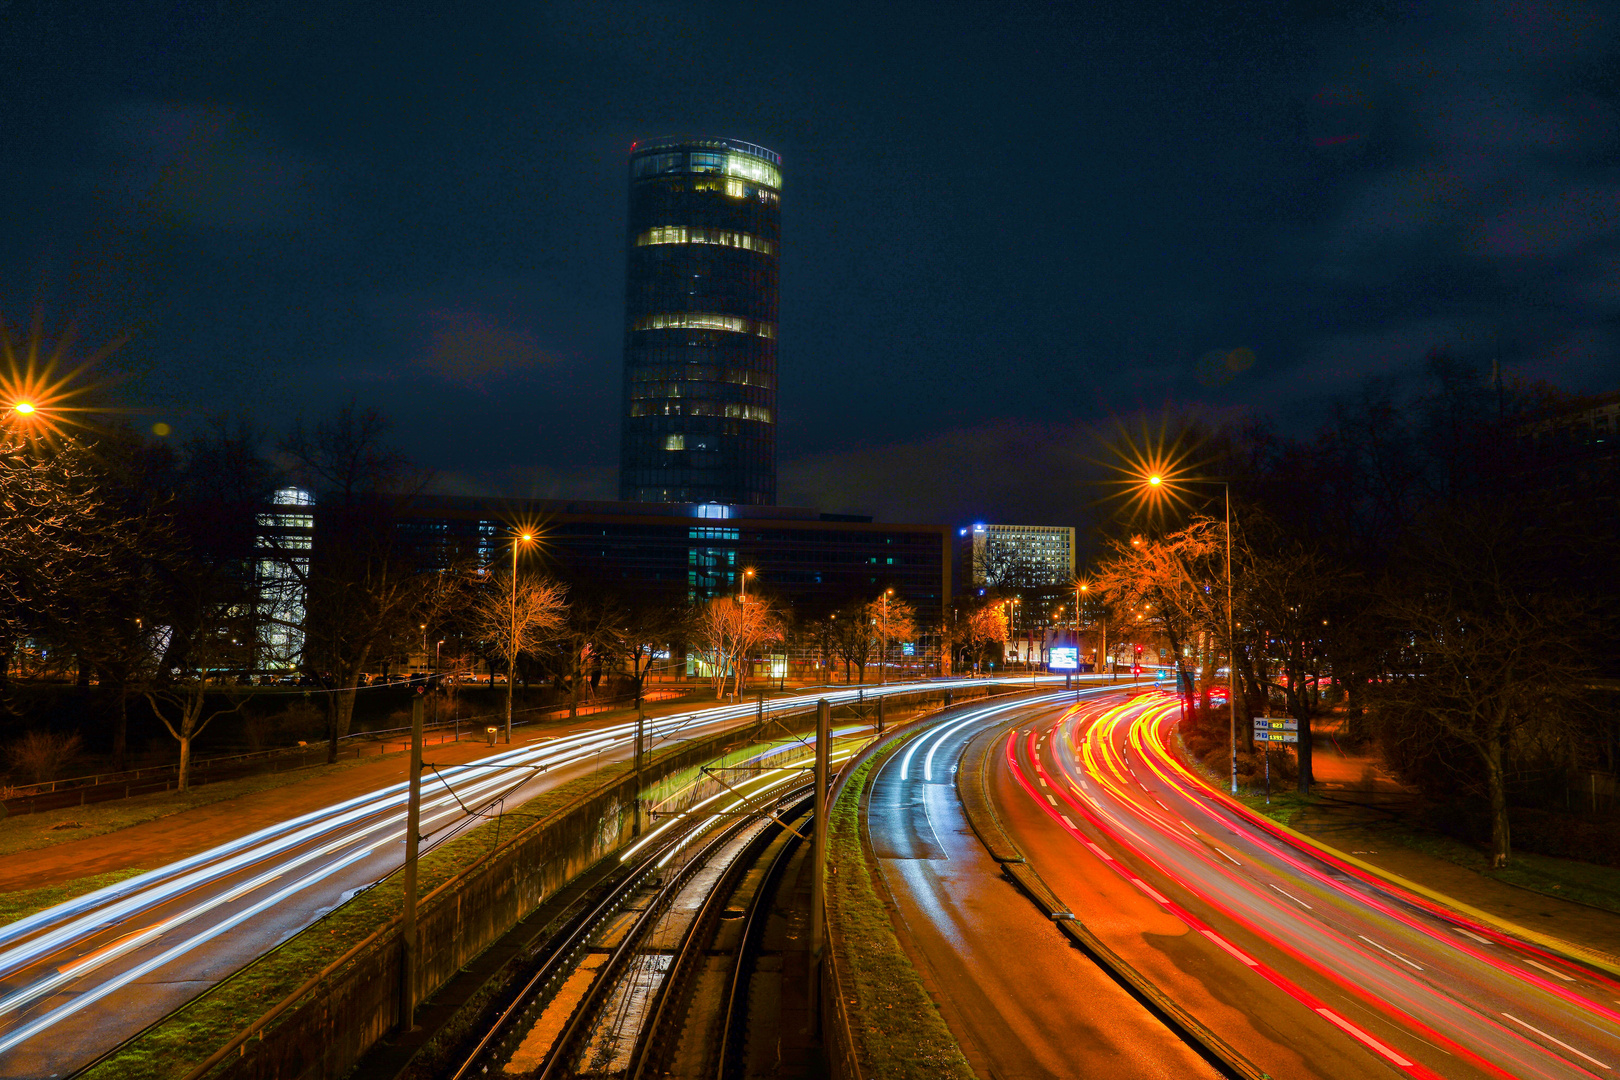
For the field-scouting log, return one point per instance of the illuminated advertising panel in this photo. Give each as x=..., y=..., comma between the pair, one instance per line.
x=1064, y=658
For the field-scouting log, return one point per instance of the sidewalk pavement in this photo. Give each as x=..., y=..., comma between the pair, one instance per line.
x=151, y=844
x=1360, y=800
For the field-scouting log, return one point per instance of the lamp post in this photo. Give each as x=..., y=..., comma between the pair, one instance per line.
x=742, y=618
x=883, y=655
x=512, y=643
x=1156, y=481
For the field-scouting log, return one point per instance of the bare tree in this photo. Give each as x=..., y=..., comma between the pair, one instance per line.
x=981, y=630
x=515, y=618
x=725, y=632
x=1171, y=584
x=890, y=621
x=182, y=693
x=1484, y=662
x=365, y=592
x=647, y=626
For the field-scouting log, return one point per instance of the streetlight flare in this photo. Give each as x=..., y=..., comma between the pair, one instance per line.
x=23, y=407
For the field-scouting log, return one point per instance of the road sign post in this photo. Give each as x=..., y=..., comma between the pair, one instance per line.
x=1268, y=730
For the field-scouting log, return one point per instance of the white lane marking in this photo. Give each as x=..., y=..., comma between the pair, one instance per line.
x=1099, y=852
x=1548, y=970
x=1145, y=887
x=1227, y=857
x=1229, y=947
x=1558, y=1042
x=1051, y=800
x=1366, y=1038
x=1166, y=808
x=1294, y=898
x=1043, y=781
x=1067, y=822
x=1190, y=829
x=1391, y=952
x=1469, y=933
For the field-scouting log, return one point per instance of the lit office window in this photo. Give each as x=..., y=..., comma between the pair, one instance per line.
x=751, y=168
x=674, y=442
x=681, y=234
x=704, y=320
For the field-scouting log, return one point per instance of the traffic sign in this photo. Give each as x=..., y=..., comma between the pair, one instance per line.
x=1281, y=736
x=1275, y=723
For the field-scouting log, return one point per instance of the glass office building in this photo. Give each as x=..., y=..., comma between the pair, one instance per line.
x=699, y=420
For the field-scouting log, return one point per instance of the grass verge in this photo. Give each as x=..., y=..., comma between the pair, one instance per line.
x=899, y=1033
x=187, y=1037
x=29, y=832
x=24, y=902
x=1565, y=879
x=1282, y=806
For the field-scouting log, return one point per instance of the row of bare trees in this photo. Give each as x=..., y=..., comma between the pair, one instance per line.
x=1412, y=564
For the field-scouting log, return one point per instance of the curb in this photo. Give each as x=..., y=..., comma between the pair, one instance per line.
x=1570, y=950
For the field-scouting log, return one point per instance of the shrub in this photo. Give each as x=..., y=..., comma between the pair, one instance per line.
x=40, y=755
x=299, y=720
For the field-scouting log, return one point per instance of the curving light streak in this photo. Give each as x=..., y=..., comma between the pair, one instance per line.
x=347, y=832
x=1268, y=919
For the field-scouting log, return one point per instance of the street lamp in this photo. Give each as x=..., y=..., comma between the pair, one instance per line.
x=1158, y=485
x=883, y=658
x=512, y=643
x=742, y=595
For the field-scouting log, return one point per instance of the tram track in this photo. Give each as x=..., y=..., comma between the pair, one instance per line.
x=627, y=984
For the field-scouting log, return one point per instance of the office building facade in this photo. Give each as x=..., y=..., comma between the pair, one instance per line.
x=1018, y=555
x=699, y=407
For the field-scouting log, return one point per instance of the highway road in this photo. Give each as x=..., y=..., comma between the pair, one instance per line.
x=1308, y=966
x=1020, y=1000
x=83, y=976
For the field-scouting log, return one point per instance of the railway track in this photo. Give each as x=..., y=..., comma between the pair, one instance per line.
x=652, y=976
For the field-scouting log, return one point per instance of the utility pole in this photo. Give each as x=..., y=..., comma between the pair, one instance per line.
x=413, y=822
x=641, y=733
x=818, y=853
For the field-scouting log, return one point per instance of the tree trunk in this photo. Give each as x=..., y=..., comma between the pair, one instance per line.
x=183, y=777
x=342, y=716
x=1303, y=715
x=120, y=730
x=1496, y=784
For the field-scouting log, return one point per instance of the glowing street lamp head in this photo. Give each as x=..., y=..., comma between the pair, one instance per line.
x=527, y=538
x=23, y=408
x=1152, y=469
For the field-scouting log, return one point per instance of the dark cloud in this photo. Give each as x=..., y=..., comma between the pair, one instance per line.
x=1001, y=222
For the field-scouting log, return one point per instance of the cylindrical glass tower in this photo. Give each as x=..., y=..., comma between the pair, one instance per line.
x=700, y=323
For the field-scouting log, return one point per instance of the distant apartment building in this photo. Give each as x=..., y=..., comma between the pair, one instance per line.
x=1017, y=555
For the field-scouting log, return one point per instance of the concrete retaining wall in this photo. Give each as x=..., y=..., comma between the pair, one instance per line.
x=326, y=1032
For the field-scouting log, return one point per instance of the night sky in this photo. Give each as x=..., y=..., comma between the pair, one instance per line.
x=1003, y=223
